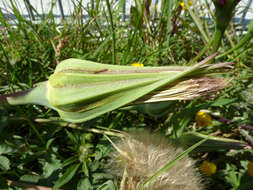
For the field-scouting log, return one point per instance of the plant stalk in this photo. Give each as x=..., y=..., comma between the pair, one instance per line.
x=217, y=39
x=112, y=31
x=197, y=21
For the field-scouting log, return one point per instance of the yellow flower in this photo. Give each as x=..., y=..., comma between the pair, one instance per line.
x=183, y=5
x=203, y=119
x=250, y=168
x=209, y=168
x=137, y=64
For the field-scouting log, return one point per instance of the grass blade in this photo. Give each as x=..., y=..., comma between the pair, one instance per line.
x=112, y=32
x=66, y=177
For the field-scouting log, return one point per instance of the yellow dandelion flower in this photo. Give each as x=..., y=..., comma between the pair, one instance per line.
x=250, y=168
x=209, y=168
x=137, y=64
x=203, y=119
x=182, y=4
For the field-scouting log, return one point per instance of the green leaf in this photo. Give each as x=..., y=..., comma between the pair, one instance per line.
x=246, y=186
x=67, y=176
x=181, y=120
x=98, y=177
x=109, y=185
x=84, y=184
x=6, y=149
x=212, y=144
x=72, y=137
x=85, y=169
x=136, y=18
x=49, y=142
x=247, y=95
x=101, y=47
x=4, y=163
x=222, y=101
x=30, y=178
x=94, y=165
x=232, y=178
x=70, y=161
x=50, y=166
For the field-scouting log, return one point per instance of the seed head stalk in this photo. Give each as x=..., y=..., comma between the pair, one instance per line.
x=217, y=39
x=224, y=10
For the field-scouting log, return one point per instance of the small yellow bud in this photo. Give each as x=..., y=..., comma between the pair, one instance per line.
x=209, y=168
x=250, y=168
x=203, y=119
x=137, y=64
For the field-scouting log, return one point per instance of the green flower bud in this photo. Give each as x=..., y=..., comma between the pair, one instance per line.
x=224, y=12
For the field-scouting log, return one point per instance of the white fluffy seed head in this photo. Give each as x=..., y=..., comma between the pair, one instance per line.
x=146, y=154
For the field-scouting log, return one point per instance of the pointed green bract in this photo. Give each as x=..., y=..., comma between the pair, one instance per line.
x=212, y=144
x=37, y=95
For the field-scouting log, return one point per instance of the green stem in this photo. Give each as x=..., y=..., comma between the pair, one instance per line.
x=37, y=95
x=217, y=39
x=31, y=124
x=169, y=21
x=113, y=32
x=197, y=22
x=61, y=123
x=146, y=18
